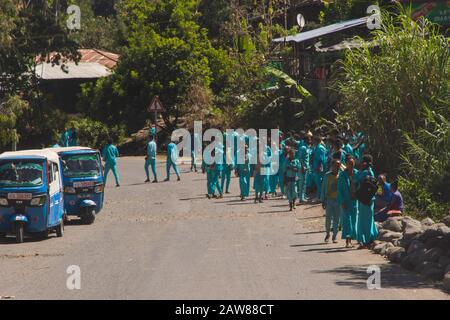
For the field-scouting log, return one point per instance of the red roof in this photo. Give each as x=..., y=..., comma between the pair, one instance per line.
x=108, y=59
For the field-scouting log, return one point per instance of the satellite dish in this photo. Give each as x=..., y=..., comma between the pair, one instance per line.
x=301, y=21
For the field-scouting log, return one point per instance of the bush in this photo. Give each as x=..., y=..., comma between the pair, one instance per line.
x=95, y=134
x=420, y=202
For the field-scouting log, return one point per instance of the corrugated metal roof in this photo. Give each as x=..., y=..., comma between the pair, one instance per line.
x=311, y=34
x=346, y=44
x=108, y=59
x=84, y=70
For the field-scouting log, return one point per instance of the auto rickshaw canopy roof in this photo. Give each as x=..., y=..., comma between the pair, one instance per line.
x=45, y=154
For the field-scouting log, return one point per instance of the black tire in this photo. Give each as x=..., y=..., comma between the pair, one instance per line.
x=88, y=217
x=60, y=229
x=2, y=235
x=19, y=232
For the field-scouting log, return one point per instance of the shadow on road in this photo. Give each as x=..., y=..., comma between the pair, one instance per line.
x=392, y=276
x=308, y=245
x=306, y=233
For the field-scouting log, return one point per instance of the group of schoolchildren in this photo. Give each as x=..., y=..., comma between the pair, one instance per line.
x=333, y=171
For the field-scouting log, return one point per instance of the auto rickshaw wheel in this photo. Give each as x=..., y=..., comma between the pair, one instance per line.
x=88, y=217
x=60, y=229
x=19, y=232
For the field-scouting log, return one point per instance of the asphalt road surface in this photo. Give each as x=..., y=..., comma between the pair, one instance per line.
x=167, y=241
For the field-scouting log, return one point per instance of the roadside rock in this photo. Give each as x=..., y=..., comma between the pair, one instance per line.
x=444, y=244
x=446, y=220
x=447, y=281
x=425, y=265
x=396, y=254
x=444, y=261
x=378, y=247
x=433, y=273
x=433, y=242
x=393, y=224
x=429, y=234
x=427, y=222
x=415, y=245
x=385, y=248
x=413, y=259
x=433, y=254
x=408, y=222
x=411, y=232
x=390, y=236
x=445, y=231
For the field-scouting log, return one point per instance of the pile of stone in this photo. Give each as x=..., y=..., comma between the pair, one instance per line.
x=420, y=246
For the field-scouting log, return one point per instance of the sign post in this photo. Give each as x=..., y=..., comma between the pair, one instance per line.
x=155, y=107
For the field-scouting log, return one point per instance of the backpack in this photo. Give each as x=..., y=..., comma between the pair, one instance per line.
x=367, y=190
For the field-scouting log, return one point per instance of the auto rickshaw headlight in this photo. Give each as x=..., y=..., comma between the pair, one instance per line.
x=4, y=202
x=38, y=201
x=98, y=189
x=70, y=190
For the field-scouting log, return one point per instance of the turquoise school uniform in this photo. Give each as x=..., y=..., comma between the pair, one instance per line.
x=172, y=160
x=65, y=138
x=319, y=166
x=110, y=154
x=366, y=229
x=348, y=149
x=151, y=160
x=290, y=177
x=274, y=177
x=258, y=181
x=268, y=170
x=348, y=215
x=281, y=171
x=333, y=212
x=228, y=168
x=303, y=174
x=244, y=172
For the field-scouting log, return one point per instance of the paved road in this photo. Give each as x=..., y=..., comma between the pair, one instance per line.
x=167, y=241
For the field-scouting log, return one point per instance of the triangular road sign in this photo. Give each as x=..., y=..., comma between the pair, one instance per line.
x=155, y=105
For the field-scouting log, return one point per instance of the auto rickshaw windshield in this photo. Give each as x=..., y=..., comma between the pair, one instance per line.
x=79, y=166
x=21, y=173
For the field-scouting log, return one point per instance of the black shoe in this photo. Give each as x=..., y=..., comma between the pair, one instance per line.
x=179, y=179
x=155, y=181
x=167, y=179
x=327, y=239
x=146, y=181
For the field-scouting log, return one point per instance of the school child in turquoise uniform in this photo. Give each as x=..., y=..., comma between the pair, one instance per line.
x=228, y=167
x=329, y=200
x=65, y=138
x=243, y=171
x=274, y=177
x=305, y=168
x=290, y=178
x=258, y=182
x=282, y=170
x=150, y=160
x=195, y=139
x=267, y=171
x=110, y=154
x=172, y=160
x=366, y=229
x=347, y=202
x=319, y=164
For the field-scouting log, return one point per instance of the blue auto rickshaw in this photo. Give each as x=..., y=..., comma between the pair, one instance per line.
x=31, y=194
x=82, y=175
